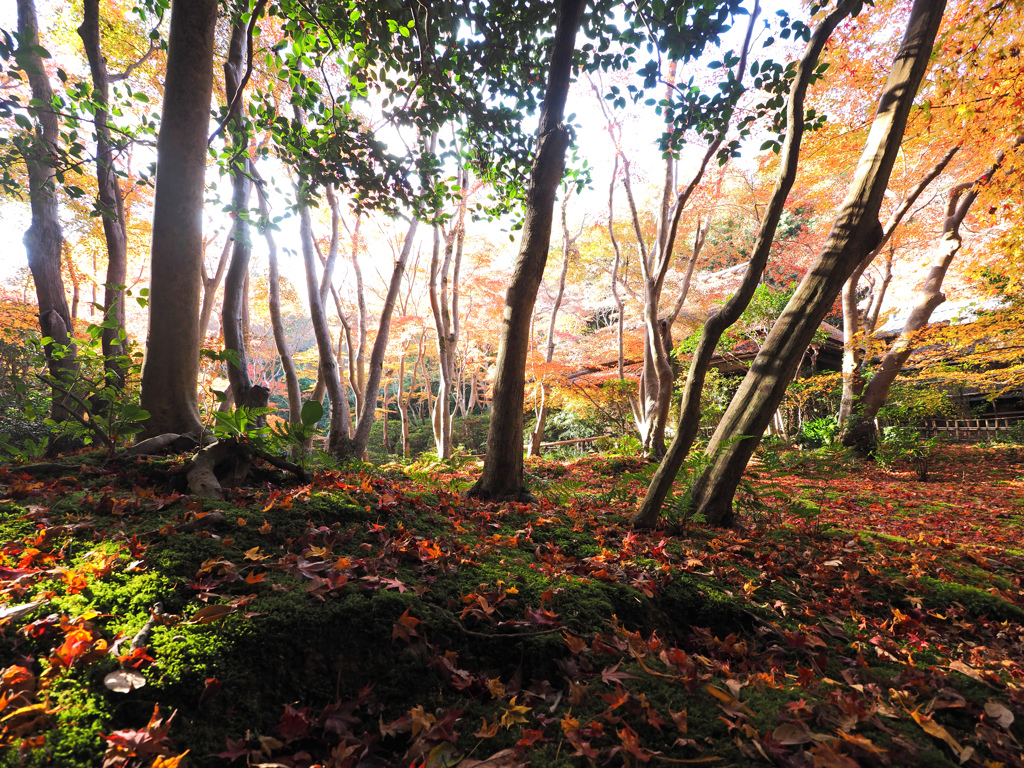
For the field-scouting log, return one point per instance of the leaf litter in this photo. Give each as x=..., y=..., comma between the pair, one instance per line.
x=860, y=618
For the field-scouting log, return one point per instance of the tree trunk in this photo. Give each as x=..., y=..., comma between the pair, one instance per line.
x=855, y=233
x=327, y=289
x=337, y=434
x=718, y=323
x=658, y=376
x=446, y=317
x=860, y=431
x=357, y=364
x=441, y=417
x=291, y=379
x=171, y=370
x=210, y=286
x=236, y=281
x=568, y=243
x=380, y=345
x=853, y=334
x=403, y=415
x=502, y=476
x=111, y=201
x=44, y=237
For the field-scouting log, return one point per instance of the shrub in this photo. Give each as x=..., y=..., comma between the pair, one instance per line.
x=818, y=433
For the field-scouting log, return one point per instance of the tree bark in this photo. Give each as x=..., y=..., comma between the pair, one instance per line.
x=860, y=430
x=568, y=244
x=446, y=317
x=855, y=233
x=380, y=345
x=44, y=236
x=236, y=281
x=337, y=436
x=441, y=417
x=111, y=200
x=327, y=289
x=853, y=334
x=718, y=323
x=502, y=476
x=210, y=286
x=291, y=379
x=171, y=370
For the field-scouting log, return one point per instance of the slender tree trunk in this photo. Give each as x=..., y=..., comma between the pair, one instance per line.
x=236, y=281
x=44, y=237
x=327, y=289
x=441, y=417
x=658, y=377
x=384, y=425
x=403, y=415
x=210, y=286
x=171, y=370
x=111, y=201
x=74, y=276
x=446, y=316
x=502, y=476
x=380, y=345
x=855, y=234
x=718, y=323
x=358, y=363
x=860, y=431
x=337, y=435
x=291, y=379
x=853, y=382
x=878, y=292
x=619, y=307
x=568, y=243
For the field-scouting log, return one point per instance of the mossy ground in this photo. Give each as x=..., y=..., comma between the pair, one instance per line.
x=377, y=618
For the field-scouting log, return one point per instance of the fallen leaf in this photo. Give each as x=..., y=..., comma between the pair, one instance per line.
x=611, y=674
x=504, y=759
x=999, y=713
x=124, y=680
x=211, y=613
x=934, y=729
x=514, y=714
x=679, y=718
x=964, y=669
x=487, y=730
x=17, y=611
x=791, y=733
x=444, y=755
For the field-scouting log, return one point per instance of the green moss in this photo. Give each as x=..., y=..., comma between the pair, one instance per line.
x=977, y=602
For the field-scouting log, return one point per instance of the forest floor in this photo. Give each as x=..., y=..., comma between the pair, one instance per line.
x=376, y=618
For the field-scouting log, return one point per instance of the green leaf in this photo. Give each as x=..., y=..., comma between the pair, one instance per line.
x=312, y=412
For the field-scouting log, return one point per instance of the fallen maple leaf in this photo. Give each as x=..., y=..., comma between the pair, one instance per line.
x=730, y=703
x=932, y=728
x=514, y=714
x=254, y=554
x=487, y=730
x=611, y=674
x=235, y=749
x=405, y=627
x=420, y=719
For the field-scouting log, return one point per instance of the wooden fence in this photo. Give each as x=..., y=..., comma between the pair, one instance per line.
x=971, y=430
